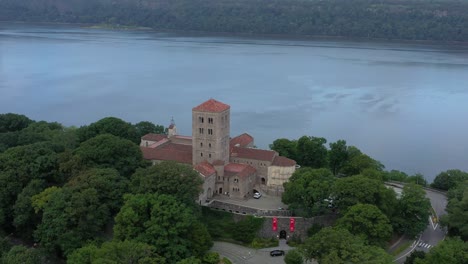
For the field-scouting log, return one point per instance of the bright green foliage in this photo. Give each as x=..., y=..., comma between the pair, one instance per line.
x=108, y=151
x=306, y=191
x=418, y=179
x=395, y=175
x=200, y=238
x=109, y=125
x=110, y=185
x=285, y=147
x=211, y=258
x=411, y=259
x=23, y=255
x=35, y=161
x=311, y=152
x=20, y=165
x=413, y=211
x=191, y=260
x=80, y=210
x=357, y=162
x=13, y=122
x=449, y=179
x=40, y=200
x=144, y=127
x=25, y=219
x=449, y=251
x=116, y=252
x=170, y=178
x=336, y=245
x=44, y=131
x=70, y=218
x=360, y=189
x=293, y=257
x=337, y=156
x=158, y=220
x=368, y=222
x=245, y=230
x=456, y=219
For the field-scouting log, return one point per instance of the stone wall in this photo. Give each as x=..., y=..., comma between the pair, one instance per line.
x=282, y=216
x=301, y=226
x=244, y=210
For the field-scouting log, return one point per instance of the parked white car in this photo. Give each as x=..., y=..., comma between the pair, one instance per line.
x=257, y=195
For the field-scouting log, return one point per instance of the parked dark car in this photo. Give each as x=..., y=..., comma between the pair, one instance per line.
x=276, y=253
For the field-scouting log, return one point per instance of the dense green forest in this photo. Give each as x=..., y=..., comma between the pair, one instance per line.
x=436, y=20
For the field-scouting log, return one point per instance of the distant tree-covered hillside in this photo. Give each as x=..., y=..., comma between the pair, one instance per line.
x=438, y=20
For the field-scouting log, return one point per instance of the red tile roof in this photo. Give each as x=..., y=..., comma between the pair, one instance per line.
x=241, y=170
x=255, y=154
x=211, y=106
x=176, y=152
x=283, y=162
x=205, y=168
x=242, y=140
x=153, y=137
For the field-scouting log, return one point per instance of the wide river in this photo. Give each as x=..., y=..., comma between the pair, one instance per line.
x=403, y=104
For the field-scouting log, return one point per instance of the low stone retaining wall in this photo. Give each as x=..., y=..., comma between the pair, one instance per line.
x=245, y=210
x=282, y=216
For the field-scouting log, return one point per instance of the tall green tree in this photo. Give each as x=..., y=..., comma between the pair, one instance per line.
x=306, y=191
x=311, y=152
x=24, y=255
x=456, y=219
x=158, y=220
x=337, y=245
x=357, y=189
x=285, y=147
x=418, y=179
x=170, y=178
x=448, y=251
x=413, y=211
x=108, y=151
x=338, y=156
x=145, y=127
x=449, y=179
x=368, y=222
x=357, y=162
x=80, y=210
x=25, y=219
x=11, y=122
x=109, y=125
x=119, y=252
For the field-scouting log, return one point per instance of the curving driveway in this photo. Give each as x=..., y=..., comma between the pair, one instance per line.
x=433, y=233
x=243, y=255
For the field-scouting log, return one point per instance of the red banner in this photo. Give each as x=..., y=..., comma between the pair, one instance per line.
x=292, y=223
x=275, y=224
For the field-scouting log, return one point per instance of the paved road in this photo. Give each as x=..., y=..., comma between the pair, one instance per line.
x=433, y=233
x=243, y=255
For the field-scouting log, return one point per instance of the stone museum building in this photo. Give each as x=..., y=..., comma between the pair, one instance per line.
x=229, y=166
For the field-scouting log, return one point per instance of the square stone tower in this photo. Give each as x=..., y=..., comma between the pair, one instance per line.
x=210, y=132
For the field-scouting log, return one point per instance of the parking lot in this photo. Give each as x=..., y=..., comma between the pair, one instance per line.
x=266, y=202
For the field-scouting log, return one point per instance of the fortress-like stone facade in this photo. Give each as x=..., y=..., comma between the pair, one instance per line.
x=229, y=166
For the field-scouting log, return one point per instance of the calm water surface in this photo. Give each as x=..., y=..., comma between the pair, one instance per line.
x=403, y=104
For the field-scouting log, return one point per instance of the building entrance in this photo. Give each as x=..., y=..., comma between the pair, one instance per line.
x=282, y=234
